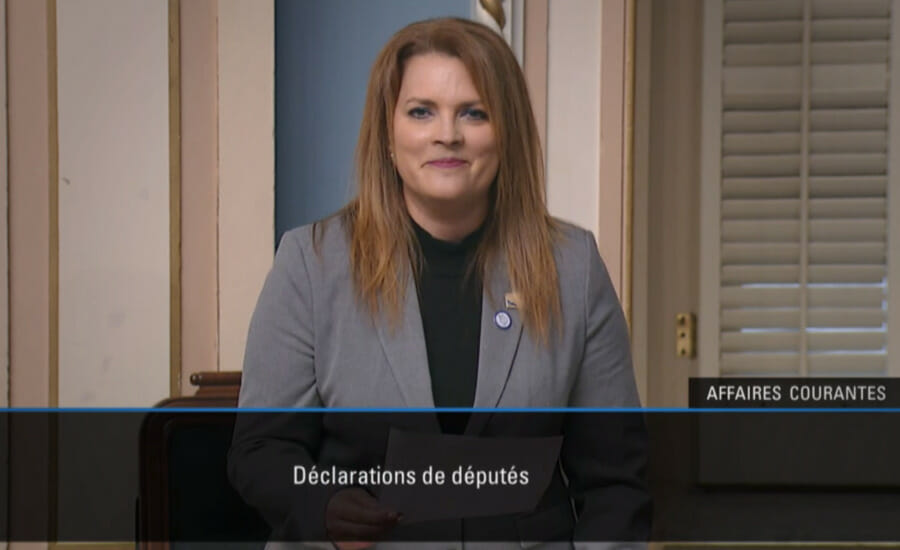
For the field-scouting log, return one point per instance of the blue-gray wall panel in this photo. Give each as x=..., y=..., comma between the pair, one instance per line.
x=323, y=53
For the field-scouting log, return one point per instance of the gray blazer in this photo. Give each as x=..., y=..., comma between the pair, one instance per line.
x=311, y=344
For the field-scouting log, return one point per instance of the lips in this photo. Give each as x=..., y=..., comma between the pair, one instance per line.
x=447, y=163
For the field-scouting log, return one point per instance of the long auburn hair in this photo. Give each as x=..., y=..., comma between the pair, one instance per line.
x=518, y=229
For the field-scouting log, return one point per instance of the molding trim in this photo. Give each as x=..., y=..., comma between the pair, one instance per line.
x=534, y=50
x=4, y=228
x=573, y=135
x=4, y=277
x=710, y=189
x=639, y=170
x=53, y=162
x=174, y=198
x=893, y=198
x=246, y=111
x=53, y=268
x=28, y=181
x=199, y=188
x=628, y=165
x=614, y=178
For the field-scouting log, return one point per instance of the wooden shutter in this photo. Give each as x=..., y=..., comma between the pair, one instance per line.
x=796, y=199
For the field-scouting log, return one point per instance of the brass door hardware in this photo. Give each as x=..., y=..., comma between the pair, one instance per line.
x=686, y=335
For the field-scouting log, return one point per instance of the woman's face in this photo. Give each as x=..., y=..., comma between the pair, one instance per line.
x=444, y=145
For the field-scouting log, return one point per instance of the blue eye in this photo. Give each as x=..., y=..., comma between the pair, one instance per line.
x=418, y=112
x=476, y=114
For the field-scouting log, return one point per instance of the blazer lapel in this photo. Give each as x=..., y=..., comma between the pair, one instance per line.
x=498, y=346
x=404, y=346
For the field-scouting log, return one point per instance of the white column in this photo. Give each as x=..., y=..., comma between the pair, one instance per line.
x=114, y=296
x=246, y=166
x=573, y=111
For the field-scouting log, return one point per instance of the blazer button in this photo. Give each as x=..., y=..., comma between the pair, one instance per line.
x=502, y=320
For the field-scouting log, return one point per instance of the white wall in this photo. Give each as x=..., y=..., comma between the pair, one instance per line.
x=114, y=295
x=573, y=111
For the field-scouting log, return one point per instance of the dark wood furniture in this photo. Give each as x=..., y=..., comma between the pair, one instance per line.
x=184, y=490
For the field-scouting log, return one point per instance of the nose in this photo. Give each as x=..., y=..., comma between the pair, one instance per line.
x=448, y=131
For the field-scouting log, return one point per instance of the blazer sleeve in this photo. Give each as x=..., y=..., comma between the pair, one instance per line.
x=604, y=455
x=279, y=372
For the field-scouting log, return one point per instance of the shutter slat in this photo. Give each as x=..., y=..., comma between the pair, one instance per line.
x=756, y=274
x=760, y=121
x=772, y=364
x=830, y=78
x=786, y=364
x=846, y=317
x=761, y=231
x=762, y=80
x=791, y=53
x=755, y=32
x=844, y=253
x=756, y=10
x=838, y=296
x=863, y=77
x=846, y=341
x=847, y=186
x=834, y=164
x=848, y=208
x=782, y=340
x=749, y=274
x=739, y=99
x=844, y=52
x=759, y=341
x=847, y=119
x=735, y=319
x=788, y=208
x=856, y=8
x=762, y=209
x=847, y=364
x=820, y=142
x=850, y=29
x=734, y=297
x=743, y=55
x=760, y=165
x=847, y=230
x=857, y=273
x=760, y=253
x=761, y=143
x=867, y=97
x=847, y=142
x=755, y=188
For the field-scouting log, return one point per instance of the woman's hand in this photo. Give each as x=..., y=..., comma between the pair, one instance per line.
x=354, y=515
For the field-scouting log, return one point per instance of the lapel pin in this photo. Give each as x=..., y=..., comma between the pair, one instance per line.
x=513, y=300
x=502, y=319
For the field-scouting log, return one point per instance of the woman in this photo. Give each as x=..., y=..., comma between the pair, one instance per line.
x=444, y=283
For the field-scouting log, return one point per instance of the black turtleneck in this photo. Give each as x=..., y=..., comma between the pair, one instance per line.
x=450, y=304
